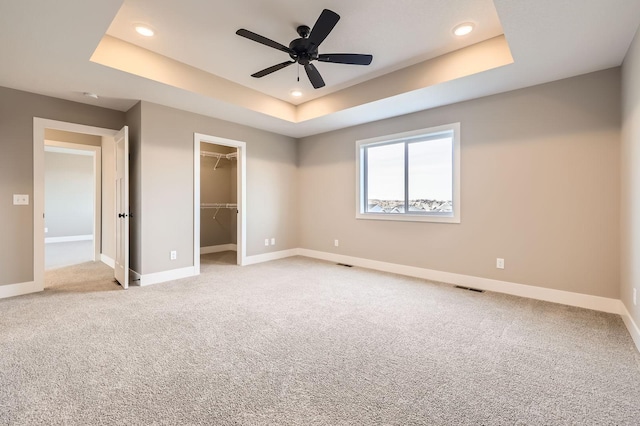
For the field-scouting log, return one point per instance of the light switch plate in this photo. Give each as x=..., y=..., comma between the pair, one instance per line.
x=20, y=199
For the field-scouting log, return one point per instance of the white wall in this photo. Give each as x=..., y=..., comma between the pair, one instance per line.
x=69, y=194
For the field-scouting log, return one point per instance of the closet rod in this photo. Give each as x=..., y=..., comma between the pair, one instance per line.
x=219, y=206
x=230, y=156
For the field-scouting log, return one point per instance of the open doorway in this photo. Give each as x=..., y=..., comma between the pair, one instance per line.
x=218, y=203
x=73, y=198
x=105, y=219
x=219, y=195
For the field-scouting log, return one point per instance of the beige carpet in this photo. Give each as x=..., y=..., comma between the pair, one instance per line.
x=305, y=342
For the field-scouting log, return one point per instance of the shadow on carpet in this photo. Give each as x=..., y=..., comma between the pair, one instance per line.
x=85, y=277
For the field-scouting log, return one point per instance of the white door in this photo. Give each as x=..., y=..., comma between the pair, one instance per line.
x=121, y=271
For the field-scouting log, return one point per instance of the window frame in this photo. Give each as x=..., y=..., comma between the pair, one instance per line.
x=430, y=133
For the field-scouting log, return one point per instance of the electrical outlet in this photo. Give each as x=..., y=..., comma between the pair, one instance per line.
x=635, y=301
x=273, y=241
x=336, y=243
x=20, y=199
x=500, y=263
x=266, y=241
x=174, y=255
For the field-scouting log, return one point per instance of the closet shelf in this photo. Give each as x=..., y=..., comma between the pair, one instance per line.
x=218, y=206
x=219, y=156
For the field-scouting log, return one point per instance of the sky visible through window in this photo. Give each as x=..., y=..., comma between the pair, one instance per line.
x=430, y=171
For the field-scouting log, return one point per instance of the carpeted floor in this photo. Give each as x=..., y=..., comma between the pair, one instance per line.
x=306, y=342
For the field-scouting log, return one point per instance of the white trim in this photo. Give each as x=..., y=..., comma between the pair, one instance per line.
x=218, y=248
x=58, y=147
x=532, y=292
x=164, y=276
x=400, y=137
x=11, y=290
x=70, y=238
x=580, y=300
x=241, y=196
x=633, y=328
x=39, y=125
x=267, y=257
x=107, y=260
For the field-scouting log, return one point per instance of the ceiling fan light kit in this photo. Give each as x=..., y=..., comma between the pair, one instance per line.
x=304, y=50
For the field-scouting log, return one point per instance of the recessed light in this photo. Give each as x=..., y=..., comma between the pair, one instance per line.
x=463, y=29
x=90, y=95
x=144, y=30
x=296, y=93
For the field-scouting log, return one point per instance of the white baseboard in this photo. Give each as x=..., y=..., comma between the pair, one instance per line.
x=18, y=289
x=68, y=239
x=532, y=292
x=266, y=257
x=218, y=248
x=107, y=260
x=161, y=277
x=633, y=328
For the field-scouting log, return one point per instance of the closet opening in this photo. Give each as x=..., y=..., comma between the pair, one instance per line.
x=219, y=193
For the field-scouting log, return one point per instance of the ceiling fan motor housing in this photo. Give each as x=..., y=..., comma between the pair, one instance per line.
x=305, y=51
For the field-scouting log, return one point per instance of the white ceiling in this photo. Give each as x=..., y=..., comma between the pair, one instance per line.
x=46, y=48
x=202, y=34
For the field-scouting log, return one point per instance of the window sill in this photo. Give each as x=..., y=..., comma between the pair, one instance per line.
x=408, y=217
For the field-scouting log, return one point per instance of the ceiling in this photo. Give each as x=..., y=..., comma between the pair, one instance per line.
x=196, y=62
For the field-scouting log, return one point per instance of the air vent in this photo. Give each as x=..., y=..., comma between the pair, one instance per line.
x=344, y=264
x=477, y=290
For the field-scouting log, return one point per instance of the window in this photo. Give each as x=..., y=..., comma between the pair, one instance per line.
x=413, y=176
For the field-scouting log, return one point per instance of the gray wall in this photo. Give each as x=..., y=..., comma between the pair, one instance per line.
x=17, y=110
x=166, y=188
x=69, y=200
x=540, y=185
x=217, y=186
x=539, y=188
x=630, y=168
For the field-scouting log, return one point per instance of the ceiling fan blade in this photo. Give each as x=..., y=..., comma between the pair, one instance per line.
x=323, y=26
x=346, y=58
x=314, y=76
x=274, y=68
x=263, y=40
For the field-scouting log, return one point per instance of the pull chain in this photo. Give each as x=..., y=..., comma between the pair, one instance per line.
x=298, y=74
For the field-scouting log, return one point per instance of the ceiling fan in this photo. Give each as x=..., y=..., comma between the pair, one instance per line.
x=304, y=50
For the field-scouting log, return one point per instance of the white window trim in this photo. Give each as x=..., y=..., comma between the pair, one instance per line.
x=407, y=217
